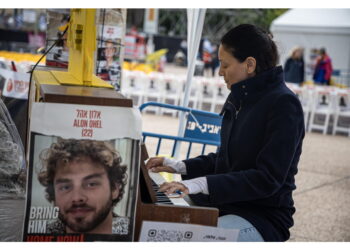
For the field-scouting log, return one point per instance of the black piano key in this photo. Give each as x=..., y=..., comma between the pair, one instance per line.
x=169, y=202
x=160, y=193
x=160, y=196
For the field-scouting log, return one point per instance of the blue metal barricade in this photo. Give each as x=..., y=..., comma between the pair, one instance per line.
x=202, y=127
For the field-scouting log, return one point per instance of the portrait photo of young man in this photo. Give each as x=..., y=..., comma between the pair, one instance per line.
x=82, y=187
x=85, y=180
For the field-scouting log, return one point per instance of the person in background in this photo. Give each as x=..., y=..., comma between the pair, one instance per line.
x=214, y=59
x=183, y=48
x=294, y=67
x=250, y=179
x=207, y=56
x=323, y=69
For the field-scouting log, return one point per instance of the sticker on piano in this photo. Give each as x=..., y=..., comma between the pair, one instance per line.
x=152, y=231
x=174, y=195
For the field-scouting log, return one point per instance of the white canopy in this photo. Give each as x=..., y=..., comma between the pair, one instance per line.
x=333, y=21
x=313, y=29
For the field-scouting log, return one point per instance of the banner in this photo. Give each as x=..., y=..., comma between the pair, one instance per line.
x=86, y=122
x=14, y=84
x=57, y=19
x=150, y=24
x=111, y=32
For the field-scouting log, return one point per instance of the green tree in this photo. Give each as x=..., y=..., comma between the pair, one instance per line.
x=173, y=22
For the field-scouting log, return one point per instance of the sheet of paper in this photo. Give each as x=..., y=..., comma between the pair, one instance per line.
x=86, y=121
x=169, y=232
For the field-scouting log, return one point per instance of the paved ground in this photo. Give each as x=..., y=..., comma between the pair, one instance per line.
x=322, y=197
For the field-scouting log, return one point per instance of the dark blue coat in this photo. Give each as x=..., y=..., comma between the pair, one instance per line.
x=294, y=70
x=252, y=174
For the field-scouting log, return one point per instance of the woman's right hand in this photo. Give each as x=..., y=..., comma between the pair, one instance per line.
x=155, y=164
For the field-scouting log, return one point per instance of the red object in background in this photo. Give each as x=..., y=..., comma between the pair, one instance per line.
x=104, y=76
x=135, y=45
x=206, y=57
x=9, y=86
x=13, y=66
x=57, y=64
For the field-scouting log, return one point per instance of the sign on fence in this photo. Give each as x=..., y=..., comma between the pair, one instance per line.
x=203, y=127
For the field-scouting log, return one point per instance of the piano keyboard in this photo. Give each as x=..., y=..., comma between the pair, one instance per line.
x=162, y=198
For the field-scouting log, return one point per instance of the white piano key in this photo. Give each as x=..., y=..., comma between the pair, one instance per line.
x=158, y=179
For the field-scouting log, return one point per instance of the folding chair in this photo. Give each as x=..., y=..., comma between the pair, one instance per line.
x=342, y=112
x=206, y=93
x=171, y=92
x=194, y=92
x=153, y=89
x=323, y=107
x=220, y=95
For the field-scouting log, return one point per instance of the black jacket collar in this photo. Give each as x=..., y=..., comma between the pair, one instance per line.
x=251, y=86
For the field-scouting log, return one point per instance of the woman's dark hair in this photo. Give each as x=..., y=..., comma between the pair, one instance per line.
x=248, y=40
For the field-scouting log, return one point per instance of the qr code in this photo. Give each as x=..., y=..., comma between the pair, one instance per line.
x=120, y=225
x=169, y=235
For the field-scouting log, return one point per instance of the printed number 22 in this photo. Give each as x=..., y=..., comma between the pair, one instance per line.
x=86, y=133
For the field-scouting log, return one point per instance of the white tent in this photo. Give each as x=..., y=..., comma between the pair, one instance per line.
x=313, y=29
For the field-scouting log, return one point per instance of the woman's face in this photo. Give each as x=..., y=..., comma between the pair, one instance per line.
x=297, y=54
x=231, y=69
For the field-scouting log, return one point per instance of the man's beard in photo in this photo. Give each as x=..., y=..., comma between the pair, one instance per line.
x=82, y=226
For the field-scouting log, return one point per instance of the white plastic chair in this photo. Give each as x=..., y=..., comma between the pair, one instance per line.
x=342, y=112
x=127, y=83
x=306, y=99
x=323, y=105
x=194, y=92
x=153, y=90
x=220, y=95
x=305, y=95
x=206, y=93
x=134, y=86
x=171, y=92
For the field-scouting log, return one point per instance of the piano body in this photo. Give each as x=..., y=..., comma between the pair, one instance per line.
x=155, y=206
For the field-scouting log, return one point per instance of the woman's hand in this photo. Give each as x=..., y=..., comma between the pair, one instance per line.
x=174, y=187
x=155, y=164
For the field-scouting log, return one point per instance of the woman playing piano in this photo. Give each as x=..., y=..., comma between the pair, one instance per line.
x=251, y=177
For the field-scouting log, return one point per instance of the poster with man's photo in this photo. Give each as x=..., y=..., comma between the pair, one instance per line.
x=111, y=32
x=57, y=20
x=109, y=63
x=83, y=173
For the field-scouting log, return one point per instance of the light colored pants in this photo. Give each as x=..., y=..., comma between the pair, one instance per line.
x=247, y=233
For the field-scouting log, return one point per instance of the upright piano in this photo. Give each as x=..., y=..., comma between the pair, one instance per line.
x=156, y=206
